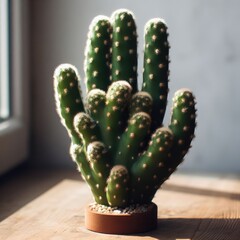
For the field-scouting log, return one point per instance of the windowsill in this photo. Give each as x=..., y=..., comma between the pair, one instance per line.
x=49, y=203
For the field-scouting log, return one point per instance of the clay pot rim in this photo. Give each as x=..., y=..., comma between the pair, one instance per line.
x=121, y=223
x=150, y=205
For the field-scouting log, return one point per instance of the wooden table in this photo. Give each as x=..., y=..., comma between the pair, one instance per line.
x=189, y=207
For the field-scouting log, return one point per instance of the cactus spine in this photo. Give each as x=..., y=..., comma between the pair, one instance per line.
x=118, y=142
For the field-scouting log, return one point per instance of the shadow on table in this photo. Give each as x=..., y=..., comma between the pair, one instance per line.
x=196, y=228
x=25, y=184
x=200, y=191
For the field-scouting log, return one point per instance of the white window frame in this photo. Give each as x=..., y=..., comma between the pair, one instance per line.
x=14, y=132
x=4, y=60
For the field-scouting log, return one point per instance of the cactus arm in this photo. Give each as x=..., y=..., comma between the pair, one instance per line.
x=98, y=157
x=117, y=190
x=78, y=154
x=155, y=75
x=147, y=172
x=124, y=47
x=95, y=104
x=117, y=98
x=131, y=140
x=140, y=102
x=97, y=54
x=183, y=123
x=68, y=97
x=87, y=128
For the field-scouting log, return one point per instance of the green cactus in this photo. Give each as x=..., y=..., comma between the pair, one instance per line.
x=118, y=142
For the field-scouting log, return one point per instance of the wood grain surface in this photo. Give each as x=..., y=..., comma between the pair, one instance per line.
x=51, y=206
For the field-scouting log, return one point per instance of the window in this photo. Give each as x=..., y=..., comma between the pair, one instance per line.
x=4, y=61
x=14, y=111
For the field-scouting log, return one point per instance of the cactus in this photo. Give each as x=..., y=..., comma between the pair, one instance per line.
x=118, y=141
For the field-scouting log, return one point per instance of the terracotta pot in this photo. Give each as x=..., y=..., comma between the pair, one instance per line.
x=121, y=223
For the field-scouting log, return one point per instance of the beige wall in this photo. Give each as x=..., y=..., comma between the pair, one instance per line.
x=205, y=55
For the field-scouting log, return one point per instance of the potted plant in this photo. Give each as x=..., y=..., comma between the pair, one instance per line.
x=117, y=138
